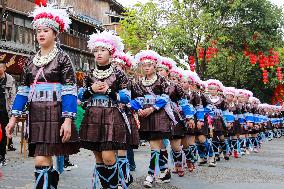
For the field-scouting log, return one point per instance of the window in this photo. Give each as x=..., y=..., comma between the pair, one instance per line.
x=19, y=21
x=28, y=24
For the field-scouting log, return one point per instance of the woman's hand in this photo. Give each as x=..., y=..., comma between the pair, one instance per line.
x=104, y=88
x=199, y=125
x=146, y=112
x=97, y=86
x=249, y=124
x=65, y=130
x=10, y=127
x=191, y=123
x=229, y=125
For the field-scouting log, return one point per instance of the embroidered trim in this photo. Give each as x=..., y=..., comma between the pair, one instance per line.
x=69, y=90
x=23, y=90
x=68, y=114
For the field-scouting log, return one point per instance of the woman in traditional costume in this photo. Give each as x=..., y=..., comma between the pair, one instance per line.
x=48, y=89
x=105, y=124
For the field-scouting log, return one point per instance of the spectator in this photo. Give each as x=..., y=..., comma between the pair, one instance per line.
x=7, y=95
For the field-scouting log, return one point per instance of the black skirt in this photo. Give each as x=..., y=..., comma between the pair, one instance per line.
x=103, y=129
x=44, y=131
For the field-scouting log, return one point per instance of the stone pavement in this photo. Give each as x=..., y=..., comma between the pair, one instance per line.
x=255, y=171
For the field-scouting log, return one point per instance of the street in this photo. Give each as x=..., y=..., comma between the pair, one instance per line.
x=255, y=171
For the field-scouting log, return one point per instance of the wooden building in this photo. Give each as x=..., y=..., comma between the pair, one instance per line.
x=17, y=39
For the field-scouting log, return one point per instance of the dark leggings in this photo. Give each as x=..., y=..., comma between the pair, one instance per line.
x=3, y=121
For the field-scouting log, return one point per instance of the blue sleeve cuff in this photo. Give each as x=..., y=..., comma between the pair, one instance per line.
x=23, y=91
x=19, y=104
x=69, y=106
x=187, y=109
x=249, y=118
x=228, y=117
x=137, y=103
x=124, y=96
x=81, y=93
x=161, y=101
x=200, y=114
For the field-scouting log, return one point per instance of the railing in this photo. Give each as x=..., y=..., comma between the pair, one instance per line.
x=18, y=35
x=78, y=41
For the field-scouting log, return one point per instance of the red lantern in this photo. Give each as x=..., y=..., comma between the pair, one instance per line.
x=270, y=61
x=265, y=60
x=192, y=67
x=201, y=53
x=276, y=57
x=246, y=53
x=191, y=60
x=208, y=57
x=253, y=58
x=265, y=76
x=261, y=62
x=41, y=2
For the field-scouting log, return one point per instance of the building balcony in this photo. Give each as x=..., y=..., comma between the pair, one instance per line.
x=22, y=39
x=17, y=38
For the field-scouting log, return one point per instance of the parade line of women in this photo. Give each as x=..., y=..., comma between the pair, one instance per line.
x=203, y=121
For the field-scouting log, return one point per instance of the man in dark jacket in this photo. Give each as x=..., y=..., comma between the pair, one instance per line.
x=7, y=95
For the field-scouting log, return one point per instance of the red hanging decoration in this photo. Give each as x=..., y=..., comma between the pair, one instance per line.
x=253, y=59
x=265, y=76
x=276, y=57
x=271, y=61
x=261, y=62
x=41, y=2
x=191, y=60
x=279, y=73
x=201, y=53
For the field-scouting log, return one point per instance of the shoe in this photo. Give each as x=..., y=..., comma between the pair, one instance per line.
x=236, y=155
x=148, y=183
x=132, y=168
x=202, y=162
x=217, y=158
x=227, y=158
x=180, y=171
x=212, y=162
x=143, y=143
x=247, y=152
x=190, y=166
x=3, y=162
x=255, y=150
x=11, y=148
x=175, y=171
x=69, y=166
x=129, y=180
x=164, y=177
x=194, y=167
